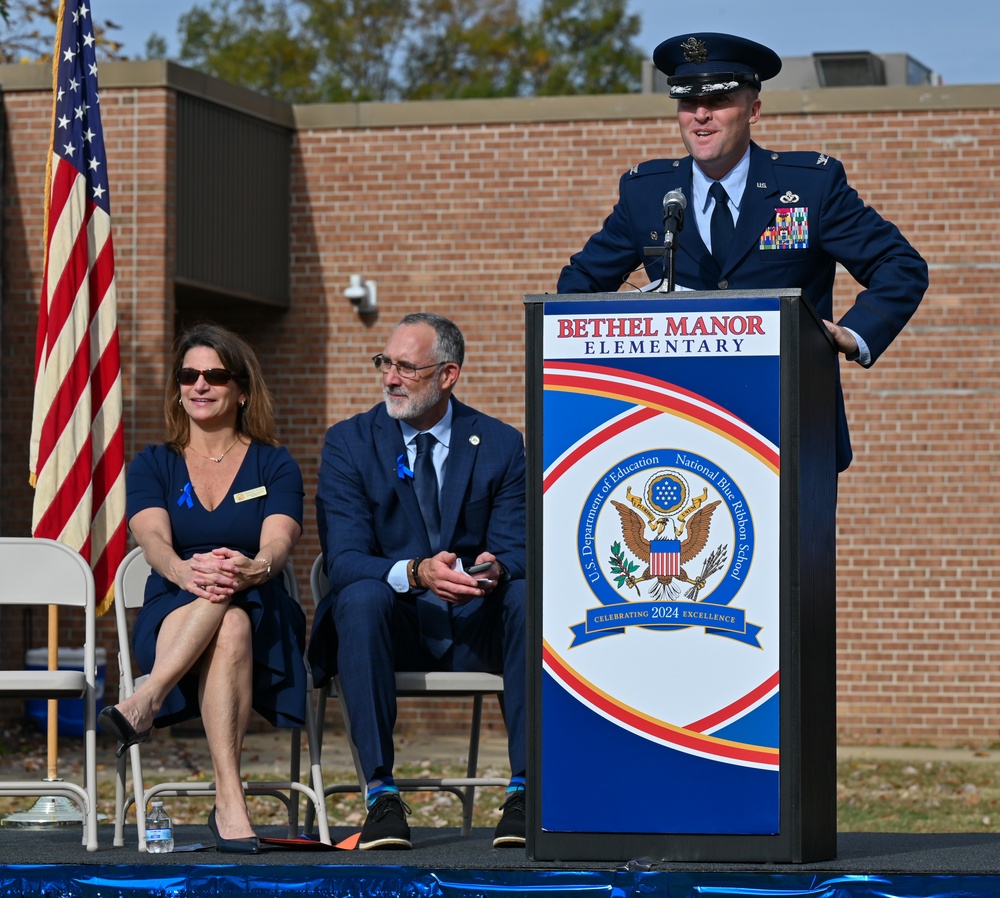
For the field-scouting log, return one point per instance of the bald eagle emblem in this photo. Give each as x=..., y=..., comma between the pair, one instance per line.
x=695, y=50
x=678, y=528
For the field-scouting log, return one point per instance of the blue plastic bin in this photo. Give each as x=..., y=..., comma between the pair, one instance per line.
x=71, y=717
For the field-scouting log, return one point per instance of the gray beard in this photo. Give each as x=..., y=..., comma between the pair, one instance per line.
x=413, y=408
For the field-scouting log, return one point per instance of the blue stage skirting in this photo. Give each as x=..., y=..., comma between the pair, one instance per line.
x=67, y=881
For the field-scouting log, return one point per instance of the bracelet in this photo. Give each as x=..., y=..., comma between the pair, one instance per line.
x=415, y=573
x=267, y=573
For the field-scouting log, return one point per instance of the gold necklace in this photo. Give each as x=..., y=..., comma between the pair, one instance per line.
x=224, y=454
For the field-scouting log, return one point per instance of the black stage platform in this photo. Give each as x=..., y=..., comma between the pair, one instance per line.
x=54, y=863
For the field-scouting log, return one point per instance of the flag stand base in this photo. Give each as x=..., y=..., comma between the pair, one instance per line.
x=48, y=810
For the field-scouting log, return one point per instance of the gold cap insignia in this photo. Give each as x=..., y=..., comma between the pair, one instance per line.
x=694, y=50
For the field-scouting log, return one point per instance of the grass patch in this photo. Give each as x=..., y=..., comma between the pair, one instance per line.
x=872, y=796
x=926, y=797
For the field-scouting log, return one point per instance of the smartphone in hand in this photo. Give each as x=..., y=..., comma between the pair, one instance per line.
x=478, y=569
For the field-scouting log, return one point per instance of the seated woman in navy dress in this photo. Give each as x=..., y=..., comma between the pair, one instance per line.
x=216, y=509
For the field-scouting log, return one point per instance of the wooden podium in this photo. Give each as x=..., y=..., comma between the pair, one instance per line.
x=681, y=578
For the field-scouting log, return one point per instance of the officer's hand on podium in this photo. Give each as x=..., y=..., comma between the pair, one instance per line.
x=843, y=339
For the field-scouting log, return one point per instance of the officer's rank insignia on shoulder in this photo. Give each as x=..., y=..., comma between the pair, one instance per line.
x=651, y=167
x=801, y=159
x=790, y=229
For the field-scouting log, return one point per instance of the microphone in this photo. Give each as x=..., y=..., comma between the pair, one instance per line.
x=674, y=204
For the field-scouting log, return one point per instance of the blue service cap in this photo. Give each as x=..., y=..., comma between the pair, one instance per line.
x=698, y=65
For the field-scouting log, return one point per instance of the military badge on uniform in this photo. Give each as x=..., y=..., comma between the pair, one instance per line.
x=789, y=231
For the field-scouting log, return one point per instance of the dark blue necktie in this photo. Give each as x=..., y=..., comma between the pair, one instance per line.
x=426, y=485
x=433, y=613
x=722, y=224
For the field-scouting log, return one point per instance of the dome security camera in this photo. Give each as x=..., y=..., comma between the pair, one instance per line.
x=363, y=294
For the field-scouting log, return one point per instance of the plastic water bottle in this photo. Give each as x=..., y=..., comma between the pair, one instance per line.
x=159, y=831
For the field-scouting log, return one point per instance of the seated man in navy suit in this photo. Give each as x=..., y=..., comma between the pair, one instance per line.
x=412, y=495
x=755, y=219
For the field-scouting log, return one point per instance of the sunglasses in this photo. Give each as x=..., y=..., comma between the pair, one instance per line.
x=215, y=377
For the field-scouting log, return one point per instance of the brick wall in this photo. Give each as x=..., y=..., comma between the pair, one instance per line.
x=466, y=218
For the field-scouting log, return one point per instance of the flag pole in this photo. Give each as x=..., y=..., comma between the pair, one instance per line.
x=53, y=704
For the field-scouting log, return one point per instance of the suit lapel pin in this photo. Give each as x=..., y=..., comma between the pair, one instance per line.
x=474, y=440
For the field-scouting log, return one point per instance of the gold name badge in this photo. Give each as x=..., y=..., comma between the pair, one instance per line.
x=250, y=494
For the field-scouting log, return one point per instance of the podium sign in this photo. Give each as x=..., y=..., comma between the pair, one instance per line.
x=681, y=577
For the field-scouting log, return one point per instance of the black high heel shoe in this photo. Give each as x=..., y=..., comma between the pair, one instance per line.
x=247, y=845
x=113, y=722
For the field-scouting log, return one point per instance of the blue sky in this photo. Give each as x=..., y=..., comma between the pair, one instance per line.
x=956, y=38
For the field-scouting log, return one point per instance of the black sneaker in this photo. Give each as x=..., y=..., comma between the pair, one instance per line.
x=386, y=826
x=510, y=830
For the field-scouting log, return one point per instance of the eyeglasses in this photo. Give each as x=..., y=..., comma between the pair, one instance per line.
x=383, y=364
x=215, y=377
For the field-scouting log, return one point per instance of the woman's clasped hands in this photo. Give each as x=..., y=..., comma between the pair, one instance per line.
x=220, y=574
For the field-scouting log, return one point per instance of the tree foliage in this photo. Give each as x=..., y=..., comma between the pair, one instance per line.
x=464, y=49
x=30, y=33
x=358, y=50
x=357, y=43
x=252, y=43
x=307, y=51
x=584, y=47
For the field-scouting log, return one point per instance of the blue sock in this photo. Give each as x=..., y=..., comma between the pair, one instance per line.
x=516, y=784
x=380, y=786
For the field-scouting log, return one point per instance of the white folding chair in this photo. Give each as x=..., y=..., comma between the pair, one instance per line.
x=42, y=572
x=418, y=684
x=130, y=585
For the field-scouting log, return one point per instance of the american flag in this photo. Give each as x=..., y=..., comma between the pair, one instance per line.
x=77, y=453
x=665, y=557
